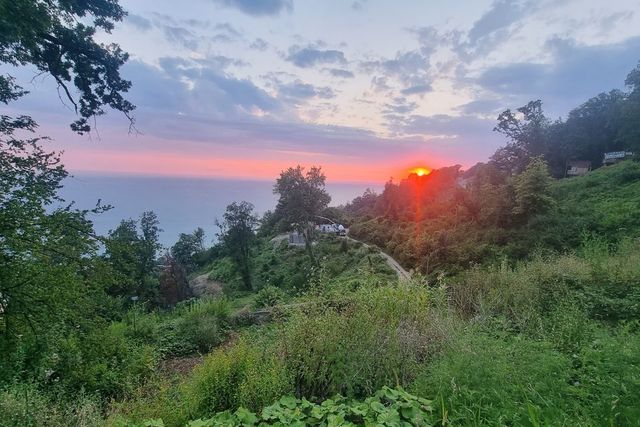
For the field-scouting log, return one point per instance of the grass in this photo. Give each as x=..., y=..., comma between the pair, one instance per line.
x=552, y=341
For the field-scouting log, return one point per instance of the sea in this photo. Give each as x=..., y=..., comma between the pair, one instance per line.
x=182, y=204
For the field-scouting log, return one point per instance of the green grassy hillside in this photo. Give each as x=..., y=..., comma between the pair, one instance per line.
x=552, y=341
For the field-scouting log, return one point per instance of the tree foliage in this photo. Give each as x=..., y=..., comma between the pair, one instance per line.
x=47, y=248
x=173, y=286
x=58, y=38
x=302, y=197
x=132, y=251
x=532, y=190
x=526, y=130
x=238, y=234
x=187, y=248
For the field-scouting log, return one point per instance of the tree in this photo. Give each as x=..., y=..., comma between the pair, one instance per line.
x=174, y=286
x=132, y=250
x=589, y=131
x=238, y=234
x=302, y=198
x=187, y=247
x=149, y=243
x=47, y=248
x=630, y=129
x=526, y=129
x=362, y=205
x=533, y=190
x=57, y=37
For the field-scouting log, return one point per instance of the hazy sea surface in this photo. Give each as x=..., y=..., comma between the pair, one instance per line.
x=182, y=204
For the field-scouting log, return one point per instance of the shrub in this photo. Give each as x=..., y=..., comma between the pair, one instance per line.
x=104, y=361
x=239, y=375
x=195, y=326
x=388, y=407
x=25, y=405
x=380, y=337
x=602, y=284
x=269, y=296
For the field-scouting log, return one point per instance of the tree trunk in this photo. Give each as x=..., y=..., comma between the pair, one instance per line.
x=308, y=243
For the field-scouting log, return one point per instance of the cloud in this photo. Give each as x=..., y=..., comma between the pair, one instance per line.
x=574, y=73
x=338, y=72
x=417, y=89
x=358, y=5
x=196, y=23
x=305, y=57
x=410, y=69
x=187, y=87
x=181, y=36
x=482, y=107
x=299, y=90
x=379, y=84
x=226, y=32
x=141, y=23
x=259, y=44
x=258, y=7
x=430, y=39
x=493, y=28
x=610, y=22
x=501, y=15
x=399, y=105
x=463, y=138
x=219, y=62
x=176, y=31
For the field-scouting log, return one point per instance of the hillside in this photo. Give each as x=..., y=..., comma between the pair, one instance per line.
x=277, y=265
x=605, y=201
x=561, y=329
x=476, y=223
x=202, y=270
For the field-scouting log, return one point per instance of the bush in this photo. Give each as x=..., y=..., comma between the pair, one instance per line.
x=25, y=405
x=388, y=407
x=601, y=283
x=103, y=360
x=269, y=296
x=239, y=375
x=380, y=337
x=194, y=326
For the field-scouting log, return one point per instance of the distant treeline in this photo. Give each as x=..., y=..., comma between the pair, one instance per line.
x=510, y=206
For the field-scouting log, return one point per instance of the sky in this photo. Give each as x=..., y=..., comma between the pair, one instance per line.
x=368, y=89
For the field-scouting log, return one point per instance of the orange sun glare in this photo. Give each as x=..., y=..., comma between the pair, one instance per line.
x=421, y=171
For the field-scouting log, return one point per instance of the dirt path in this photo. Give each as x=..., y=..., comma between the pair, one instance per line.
x=401, y=272
x=395, y=265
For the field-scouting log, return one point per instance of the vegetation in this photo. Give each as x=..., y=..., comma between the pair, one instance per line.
x=57, y=37
x=237, y=234
x=569, y=358
x=523, y=307
x=388, y=407
x=302, y=199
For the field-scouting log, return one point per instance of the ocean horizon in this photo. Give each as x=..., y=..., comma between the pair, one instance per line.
x=182, y=204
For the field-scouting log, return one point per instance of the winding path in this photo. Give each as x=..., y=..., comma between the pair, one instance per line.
x=395, y=265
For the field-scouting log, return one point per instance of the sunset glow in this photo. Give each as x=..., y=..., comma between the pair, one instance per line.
x=241, y=90
x=421, y=171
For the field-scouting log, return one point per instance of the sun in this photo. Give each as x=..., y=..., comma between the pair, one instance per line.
x=421, y=171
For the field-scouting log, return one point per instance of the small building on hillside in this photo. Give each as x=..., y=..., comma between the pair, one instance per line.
x=332, y=228
x=327, y=228
x=296, y=239
x=614, y=157
x=578, y=167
